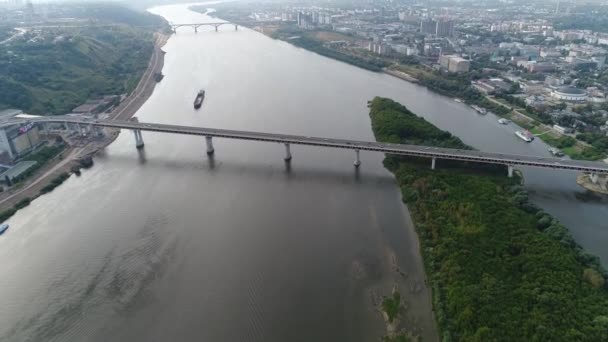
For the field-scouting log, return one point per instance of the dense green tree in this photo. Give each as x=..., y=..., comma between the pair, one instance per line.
x=500, y=269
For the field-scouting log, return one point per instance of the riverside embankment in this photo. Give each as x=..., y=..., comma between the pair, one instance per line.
x=31, y=188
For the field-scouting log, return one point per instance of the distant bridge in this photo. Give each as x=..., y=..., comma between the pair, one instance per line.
x=216, y=25
x=433, y=153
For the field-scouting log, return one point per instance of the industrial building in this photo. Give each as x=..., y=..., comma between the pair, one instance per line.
x=17, y=140
x=454, y=63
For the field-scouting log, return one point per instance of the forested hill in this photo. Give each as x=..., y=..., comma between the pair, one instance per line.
x=51, y=71
x=500, y=268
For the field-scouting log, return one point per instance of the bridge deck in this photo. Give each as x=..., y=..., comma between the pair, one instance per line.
x=408, y=150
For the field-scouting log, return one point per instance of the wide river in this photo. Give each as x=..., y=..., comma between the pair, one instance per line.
x=167, y=244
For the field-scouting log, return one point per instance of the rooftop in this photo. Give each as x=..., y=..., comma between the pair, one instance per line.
x=571, y=90
x=17, y=170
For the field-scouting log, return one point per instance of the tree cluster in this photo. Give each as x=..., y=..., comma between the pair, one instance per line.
x=500, y=268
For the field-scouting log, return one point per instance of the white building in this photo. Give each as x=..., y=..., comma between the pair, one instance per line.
x=569, y=94
x=454, y=63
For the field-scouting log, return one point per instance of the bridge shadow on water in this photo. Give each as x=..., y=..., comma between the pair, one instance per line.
x=290, y=170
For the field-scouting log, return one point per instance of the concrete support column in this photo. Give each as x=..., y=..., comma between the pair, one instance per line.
x=236, y=27
x=216, y=26
x=139, y=140
x=91, y=129
x=287, y=153
x=433, y=164
x=510, y=170
x=210, y=148
x=195, y=29
x=357, y=160
x=593, y=177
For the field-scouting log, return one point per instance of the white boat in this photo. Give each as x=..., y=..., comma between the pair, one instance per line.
x=479, y=109
x=458, y=100
x=525, y=136
x=3, y=228
x=503, y=121
x=556, y=152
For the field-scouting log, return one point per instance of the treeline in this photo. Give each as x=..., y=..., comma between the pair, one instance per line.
x=458, y=86
x=115, y=13
x=409, y=128
x=500, y=268
x=372, y=64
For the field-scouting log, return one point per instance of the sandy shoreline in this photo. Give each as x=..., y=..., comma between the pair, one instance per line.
x=125, y=110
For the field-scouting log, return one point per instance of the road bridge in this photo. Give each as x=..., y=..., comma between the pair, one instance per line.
x=216, y=25
x=433, y=153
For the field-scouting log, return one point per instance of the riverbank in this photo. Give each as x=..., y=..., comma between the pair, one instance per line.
x=500, y=267
x=453, y=86
x=64, y=163
x=131, y=104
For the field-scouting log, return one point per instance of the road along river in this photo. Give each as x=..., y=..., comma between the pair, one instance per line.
x=168, y=244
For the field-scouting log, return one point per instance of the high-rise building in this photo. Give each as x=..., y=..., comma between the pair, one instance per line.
x=428, y=26
x=444, y=28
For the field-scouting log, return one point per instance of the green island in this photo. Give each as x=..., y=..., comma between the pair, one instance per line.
x=500, y=268
x=50, y=72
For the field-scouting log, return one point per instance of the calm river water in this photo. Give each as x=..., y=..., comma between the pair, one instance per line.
x=167, y=244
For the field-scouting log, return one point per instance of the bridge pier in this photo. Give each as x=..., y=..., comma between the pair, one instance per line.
x=236, y=27
x=210, y=148
x=510, y=170
x=139, y=140
x=594, y=178
x=433, y=164
x=287, y=153
x=216, y=26
x=357, y=162
x=195, y=29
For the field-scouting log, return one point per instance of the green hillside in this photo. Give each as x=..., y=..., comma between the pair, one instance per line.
x=53, y=71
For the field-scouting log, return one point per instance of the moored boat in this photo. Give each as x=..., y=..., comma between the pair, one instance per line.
x=479, y=110
x=3, y=228
x=556, y=152
x=525, y=136
x=503, y=121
